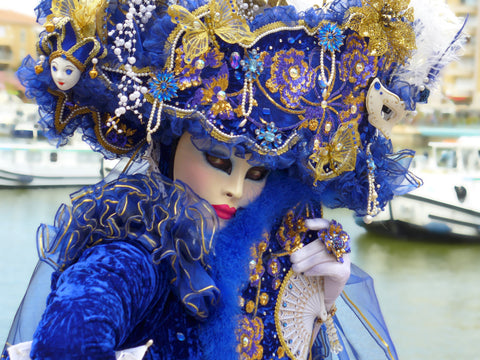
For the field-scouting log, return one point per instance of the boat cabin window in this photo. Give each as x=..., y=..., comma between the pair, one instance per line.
x=447, y=158
x=53, y=157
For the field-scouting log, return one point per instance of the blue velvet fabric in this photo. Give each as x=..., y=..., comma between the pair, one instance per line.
x=118, y=293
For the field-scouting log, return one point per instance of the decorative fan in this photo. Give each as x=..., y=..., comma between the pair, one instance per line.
x=297, y=313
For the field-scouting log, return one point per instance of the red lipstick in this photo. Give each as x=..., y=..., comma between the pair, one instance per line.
x=224, y=212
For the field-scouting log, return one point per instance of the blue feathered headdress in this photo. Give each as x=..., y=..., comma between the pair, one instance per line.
x=314, y=90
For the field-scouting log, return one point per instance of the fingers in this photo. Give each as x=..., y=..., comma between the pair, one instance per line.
x=316, y=224
x=307, y=251
x=313, y=260
x=337, y=271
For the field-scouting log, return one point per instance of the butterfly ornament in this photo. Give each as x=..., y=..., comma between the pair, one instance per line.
x=339, y=155
x=221, y=19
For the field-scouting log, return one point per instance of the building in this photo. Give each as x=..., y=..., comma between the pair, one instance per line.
x=18, y=36
x=462, y=78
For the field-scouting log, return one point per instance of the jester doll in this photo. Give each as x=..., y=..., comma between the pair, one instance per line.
x=236, y=123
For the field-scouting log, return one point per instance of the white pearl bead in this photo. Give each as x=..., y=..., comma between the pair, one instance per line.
x=367, y=219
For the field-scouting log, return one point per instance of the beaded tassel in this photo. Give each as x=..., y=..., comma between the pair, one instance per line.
x=372, y=203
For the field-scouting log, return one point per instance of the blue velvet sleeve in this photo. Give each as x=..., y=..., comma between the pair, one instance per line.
x=95, y=303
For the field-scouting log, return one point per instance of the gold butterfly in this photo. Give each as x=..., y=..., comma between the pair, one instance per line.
x=86, y=15
x=222, y=20
x=339, y=155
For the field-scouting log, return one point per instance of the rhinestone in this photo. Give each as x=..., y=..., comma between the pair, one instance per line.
x=359, y=68
x=221, y=95
x=197, y=25
x=328, y=127
x=180, y=336
x=235, y=60
x=269, y=137
x=294, y=73
x=199, y=64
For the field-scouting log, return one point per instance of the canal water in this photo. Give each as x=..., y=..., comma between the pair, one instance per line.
x=429, y=293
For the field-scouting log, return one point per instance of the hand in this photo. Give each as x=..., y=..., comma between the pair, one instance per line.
x=314, y=260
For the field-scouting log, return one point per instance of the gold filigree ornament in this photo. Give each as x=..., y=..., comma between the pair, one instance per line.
x=388, y=26
x=221, y=19
x=338, y=156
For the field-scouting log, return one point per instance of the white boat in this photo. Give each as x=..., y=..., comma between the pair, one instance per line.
x=447, y=206
x=30, y=162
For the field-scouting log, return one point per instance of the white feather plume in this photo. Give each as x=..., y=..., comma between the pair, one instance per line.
x=435, y=26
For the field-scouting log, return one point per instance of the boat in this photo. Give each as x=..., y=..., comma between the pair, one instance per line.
x=447, y=206
x=28, y=160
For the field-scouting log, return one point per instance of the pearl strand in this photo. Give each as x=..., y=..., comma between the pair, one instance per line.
x=322, y=71
x=372, y=202
x=151, y=130
x=247, y=88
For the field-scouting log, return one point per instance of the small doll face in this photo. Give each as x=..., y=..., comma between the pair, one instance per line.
x=64, y=73
x=226, y=184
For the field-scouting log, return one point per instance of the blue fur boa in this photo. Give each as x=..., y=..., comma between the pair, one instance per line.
x=232, y=254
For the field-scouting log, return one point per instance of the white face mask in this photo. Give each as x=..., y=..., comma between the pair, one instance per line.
x=226, y=184
x=64, y=73
x=385, y=109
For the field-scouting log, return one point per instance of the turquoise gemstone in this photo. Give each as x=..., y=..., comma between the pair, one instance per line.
x=269, y=137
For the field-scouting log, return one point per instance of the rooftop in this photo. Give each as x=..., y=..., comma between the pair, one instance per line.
x=12, y=17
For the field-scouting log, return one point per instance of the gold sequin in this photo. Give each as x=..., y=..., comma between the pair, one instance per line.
x=264, y=299
x=262, y=247
x=281, y=352
x=250, y=307
x=276, y=284
x=254, y=277
x=313, y=125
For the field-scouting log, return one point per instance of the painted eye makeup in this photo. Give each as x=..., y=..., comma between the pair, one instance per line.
x=54, y=68
x=69, y=71
x=256, y=173
x=224, y=165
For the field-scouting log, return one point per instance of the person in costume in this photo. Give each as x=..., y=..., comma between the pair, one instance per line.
x=239, y=122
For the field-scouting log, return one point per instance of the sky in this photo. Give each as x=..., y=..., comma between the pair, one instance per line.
x=21, y=6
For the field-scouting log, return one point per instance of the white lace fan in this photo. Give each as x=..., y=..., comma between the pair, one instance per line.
x=298, y=310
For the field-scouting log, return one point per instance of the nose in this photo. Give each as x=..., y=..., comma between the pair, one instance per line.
x=234, y=187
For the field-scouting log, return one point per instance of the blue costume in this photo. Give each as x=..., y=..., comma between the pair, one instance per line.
x=309, y=94
x=119, y=270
